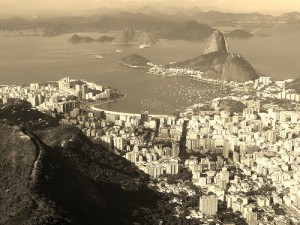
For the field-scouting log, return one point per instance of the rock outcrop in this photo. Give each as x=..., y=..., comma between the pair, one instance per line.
x=78, y=39
x=216, y=43
x=129, y=36
x=231, y=67
x=216, y=62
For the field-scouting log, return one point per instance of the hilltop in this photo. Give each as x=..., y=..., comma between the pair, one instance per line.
x=130, y=36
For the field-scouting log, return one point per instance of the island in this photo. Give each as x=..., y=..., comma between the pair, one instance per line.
x=136, y=61
x=79, y=39
x=239, y=34
x=216, y=64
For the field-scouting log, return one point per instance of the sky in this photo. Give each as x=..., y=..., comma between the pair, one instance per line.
x=31, y=7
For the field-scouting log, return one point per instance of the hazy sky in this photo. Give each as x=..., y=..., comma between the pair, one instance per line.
x=21, y=7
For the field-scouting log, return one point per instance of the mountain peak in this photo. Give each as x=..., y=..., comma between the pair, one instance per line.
x=216, y=43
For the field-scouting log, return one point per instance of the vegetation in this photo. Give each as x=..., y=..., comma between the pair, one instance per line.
x=231, y=106
x=20, y=112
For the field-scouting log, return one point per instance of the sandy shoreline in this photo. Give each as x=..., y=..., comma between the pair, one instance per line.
x=98, y=103
x=93, y=106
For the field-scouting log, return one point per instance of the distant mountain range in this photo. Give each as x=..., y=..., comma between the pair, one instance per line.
x=166, y=24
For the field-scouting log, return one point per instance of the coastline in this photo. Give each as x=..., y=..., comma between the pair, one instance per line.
x=93, y=106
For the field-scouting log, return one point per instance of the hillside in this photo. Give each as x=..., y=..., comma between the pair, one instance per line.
x=20, y=112
x=295, y=84
x=239, y=34
x=231, y=67
x=136, y=61
x=231, y=106
x=21, y=199
x=58, y=177
x=190, y=31
x=130, y=36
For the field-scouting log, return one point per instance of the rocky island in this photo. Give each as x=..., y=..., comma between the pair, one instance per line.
x=217, y=63
x=136, y=61
x=79, y=39
x=129, y=36
x=239, y=34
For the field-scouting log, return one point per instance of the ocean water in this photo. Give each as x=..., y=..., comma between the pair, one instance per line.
x=35, y=59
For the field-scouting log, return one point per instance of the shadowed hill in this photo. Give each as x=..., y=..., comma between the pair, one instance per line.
x=295, y=84
x=191, y=31
x=61, y=177
x=20, y=112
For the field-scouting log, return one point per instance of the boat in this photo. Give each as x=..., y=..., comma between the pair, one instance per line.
x=144, y=46
x=99, y=56
x=118, y=50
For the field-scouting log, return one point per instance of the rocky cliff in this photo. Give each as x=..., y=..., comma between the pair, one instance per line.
x=216, y=43
x=129, y=36
x=217, y=63
x=231, y=67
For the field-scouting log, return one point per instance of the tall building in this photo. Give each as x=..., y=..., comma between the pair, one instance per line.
x=177, y=114
x=175, y=149
x=144, y=117
x=64, y=83
x=208, y=205
x=271, y=135
x=84, y=90
x=252, y=104
x=108, y=93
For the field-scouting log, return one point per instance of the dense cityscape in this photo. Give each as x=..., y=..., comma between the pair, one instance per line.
x=156, y=112
x=241, y=164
